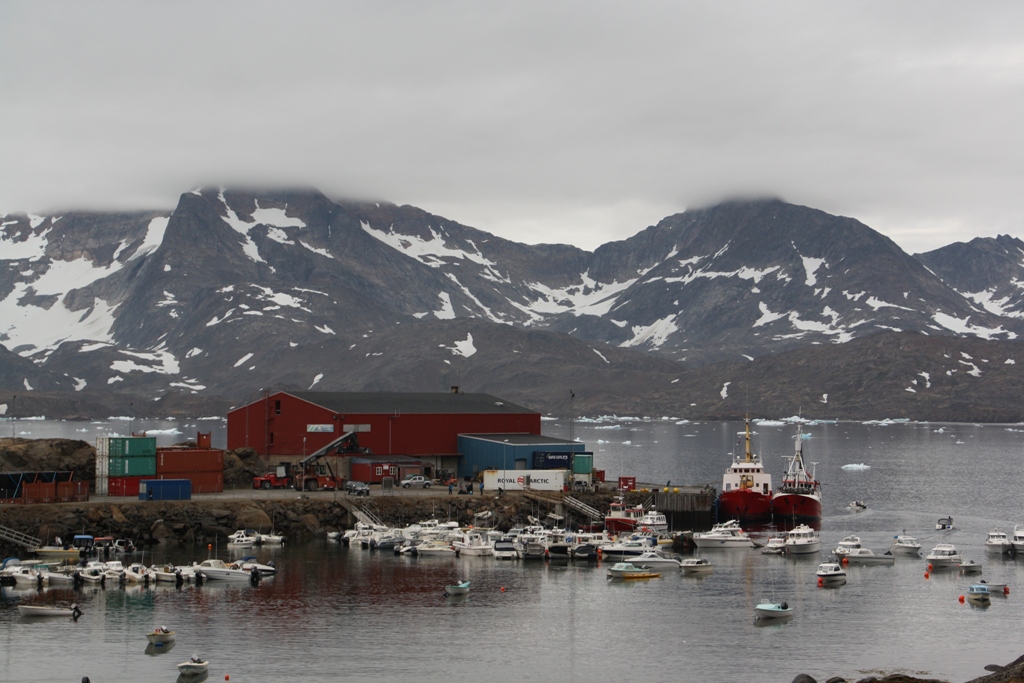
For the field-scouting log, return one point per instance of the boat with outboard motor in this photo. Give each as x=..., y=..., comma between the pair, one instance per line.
x=195, y=666
x=746, y=487
x=868, y=556
x=979, y=594
x=161, y=635
x=772, y=610
x=902, y=544
x=697, y=565
x=72, y=611
x=831, y=574
x=628, y=570
x=943, y=555
x=799, y=494
x=846, y=545
x=944, y=524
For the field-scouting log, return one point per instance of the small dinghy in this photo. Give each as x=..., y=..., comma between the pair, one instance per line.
x=457, y=589
x=773, y=610
x=40, y=611
x=161, y=635
x=970, y=567
x=194, y=666
x=978, y=594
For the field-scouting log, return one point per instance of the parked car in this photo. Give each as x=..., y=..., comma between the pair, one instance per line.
x=358, y=488
x=416, y=480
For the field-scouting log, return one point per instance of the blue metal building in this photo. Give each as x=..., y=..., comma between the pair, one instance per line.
x=508, y=451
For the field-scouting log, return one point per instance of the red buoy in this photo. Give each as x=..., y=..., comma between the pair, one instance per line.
x=926, y=575
x=821, y=581
x=961, y=599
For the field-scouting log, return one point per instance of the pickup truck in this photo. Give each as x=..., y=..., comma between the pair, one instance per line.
x=270, y=480
x=416, y=480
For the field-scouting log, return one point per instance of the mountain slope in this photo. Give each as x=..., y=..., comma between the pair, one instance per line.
x=987, y=270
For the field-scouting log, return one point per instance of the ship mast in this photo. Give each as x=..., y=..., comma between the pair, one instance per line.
x=750, y=457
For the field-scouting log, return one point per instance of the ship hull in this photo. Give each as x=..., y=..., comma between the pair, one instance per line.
x=800, y=507
x=746, y=506
x=617, y=525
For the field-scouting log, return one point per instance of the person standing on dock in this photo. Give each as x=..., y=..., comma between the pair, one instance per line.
x=450, y=486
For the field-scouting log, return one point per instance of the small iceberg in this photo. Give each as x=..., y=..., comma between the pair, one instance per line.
x=856, y=466
x=769, y=423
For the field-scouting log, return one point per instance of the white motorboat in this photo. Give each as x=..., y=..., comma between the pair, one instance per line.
x=772, y=610
x=868, y=556
x=460, y=588
x=857, y=505
x=472, y=543
x=846, y=545
x=504, y=550
x=161, y=635
x=271, y=539
x=243, y=538
x=26, y=576
x=217, y=570
x=94, y=572
x=1017, y=540
x=697, y=565
x=629, y=548
x=998, y=542
x=802, y=540
x=657, y=558
x=628, y=570
x=905, y=545
x=831, y=574
x=724, y=535
x=194, y=667
x=435, y=548
x=49, y=611
x=248, y=563
x=970, y=567
x=944, y=555
x=114, y=571
x=776, y=545
x=137, y=572
x=944, y=524
x=654, y=522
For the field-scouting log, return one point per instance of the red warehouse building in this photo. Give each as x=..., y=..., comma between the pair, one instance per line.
x=426, y=426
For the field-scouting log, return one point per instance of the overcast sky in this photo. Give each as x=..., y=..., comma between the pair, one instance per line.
x=576, y=122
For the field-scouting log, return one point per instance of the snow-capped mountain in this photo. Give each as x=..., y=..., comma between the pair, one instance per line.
x=233, y=292
x=988, y=271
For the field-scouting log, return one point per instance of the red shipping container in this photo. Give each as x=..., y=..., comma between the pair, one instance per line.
x=40, y=492
x=599, y=475
x=183, y=461
x=203, y=440
x=124, y=486
x=627, y=483
x=203, y=482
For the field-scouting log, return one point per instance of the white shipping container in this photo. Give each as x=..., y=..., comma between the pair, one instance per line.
x=102, y=445
x=526, y=480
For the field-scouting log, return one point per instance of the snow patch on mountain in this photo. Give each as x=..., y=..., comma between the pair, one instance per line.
x=31, y=248
x=162, y=362
x=447, y=311
x=154, y=237
x=1002, y=307
x=242, y=228
x=588, y=298
x=959, y=326
x=655, y=334
x=464, y=348
x=428, y=252
x=811, y=266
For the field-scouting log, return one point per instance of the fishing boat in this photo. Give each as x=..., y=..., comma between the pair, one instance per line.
x=194, y=667
x=457, y=588
x=653, y=522
x=799, y=495
x=746, y=487
x=802, y=540
x=161, y=635
x=622, y=517
x=724, y=535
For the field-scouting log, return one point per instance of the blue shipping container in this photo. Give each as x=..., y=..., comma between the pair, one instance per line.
x=165, y=489
x=543, y=460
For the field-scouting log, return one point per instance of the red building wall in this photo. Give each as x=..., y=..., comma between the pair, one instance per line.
x=277, y=426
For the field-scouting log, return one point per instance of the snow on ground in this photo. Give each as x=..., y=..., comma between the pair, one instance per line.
x=242, y=228
x=725, y=390
x=463, y=348
x=162, y=362
x=601, y=355
x=32, y=248
x=1000, y=307
x=316, y=380
x=154, y=237
x=430, y=252
x=811, y=266
x=587, y=298
x=243, y=359
x=655, y=334
x=447, y=311
x=959, y=326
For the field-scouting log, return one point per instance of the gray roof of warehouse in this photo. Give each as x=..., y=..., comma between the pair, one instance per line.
x=357, y=403
x=522, y=439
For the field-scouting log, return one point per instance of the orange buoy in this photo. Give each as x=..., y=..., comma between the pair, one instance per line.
x=926, y=575
x=846, y=561
x=821, y=581
x=1006, y=590
x=961, y=599
x=502, y=589
x=930, y=567
x=227, y=677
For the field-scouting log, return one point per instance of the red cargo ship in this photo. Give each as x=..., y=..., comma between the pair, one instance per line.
x=746, y=489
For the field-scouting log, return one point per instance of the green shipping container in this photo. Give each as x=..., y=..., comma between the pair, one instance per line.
x=131, y=446
x=132, y=467
x=583, y=463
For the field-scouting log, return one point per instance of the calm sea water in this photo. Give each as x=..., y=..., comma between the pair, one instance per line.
x=347, y=613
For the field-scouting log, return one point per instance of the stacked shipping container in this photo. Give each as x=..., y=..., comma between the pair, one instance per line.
x=204, y=467
x=122, y=462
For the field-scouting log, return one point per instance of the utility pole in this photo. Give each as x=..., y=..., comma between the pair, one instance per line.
x=14, y=425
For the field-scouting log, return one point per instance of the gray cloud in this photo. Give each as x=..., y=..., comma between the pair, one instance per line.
x=575, y=122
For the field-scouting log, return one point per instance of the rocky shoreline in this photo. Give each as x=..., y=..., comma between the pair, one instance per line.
x=1010, y=673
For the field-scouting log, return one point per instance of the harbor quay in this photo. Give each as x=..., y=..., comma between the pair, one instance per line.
x=300, y=517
